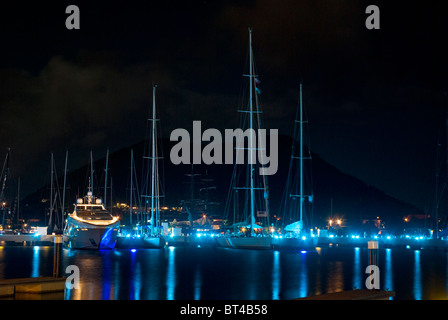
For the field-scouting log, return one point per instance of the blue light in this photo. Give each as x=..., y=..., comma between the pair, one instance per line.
x=304, y=238
x=128, y=235
x=388, y=237
x=171, y=235
x=376, y=237
x=408, y=247
x=303, y=251
x=331, y=236
x=198, y=235
x=133, y=250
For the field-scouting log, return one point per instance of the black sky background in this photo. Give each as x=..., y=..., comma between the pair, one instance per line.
x=376, y=99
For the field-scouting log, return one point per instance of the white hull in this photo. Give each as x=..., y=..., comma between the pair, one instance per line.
x=222, y=242
x=80, y=235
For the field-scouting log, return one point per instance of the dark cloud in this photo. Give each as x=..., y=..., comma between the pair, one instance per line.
x=374, y=98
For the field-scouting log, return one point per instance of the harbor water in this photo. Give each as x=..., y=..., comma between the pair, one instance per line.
x=194, y=273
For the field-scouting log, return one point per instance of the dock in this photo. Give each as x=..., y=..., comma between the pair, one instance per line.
x=31, y=286
x=415, y=243
x=361, y=294
x=26, y=239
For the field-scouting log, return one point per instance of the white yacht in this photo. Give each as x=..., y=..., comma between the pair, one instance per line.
x=90, y=225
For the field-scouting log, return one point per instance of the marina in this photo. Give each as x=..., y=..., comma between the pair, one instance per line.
x=228, y=156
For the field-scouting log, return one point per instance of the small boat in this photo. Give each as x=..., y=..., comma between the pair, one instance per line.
x=90, y=225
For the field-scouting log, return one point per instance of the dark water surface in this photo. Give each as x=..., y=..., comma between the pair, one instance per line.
x=217, y=273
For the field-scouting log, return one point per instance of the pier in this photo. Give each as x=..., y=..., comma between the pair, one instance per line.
x=406, y=242
x=354, y=295
x=27, y=239
x=31, y=286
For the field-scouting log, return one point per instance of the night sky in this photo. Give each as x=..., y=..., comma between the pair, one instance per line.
x=376, y=99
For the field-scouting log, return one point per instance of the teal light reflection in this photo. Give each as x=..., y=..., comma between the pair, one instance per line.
x=171, y=274
x=417, y=276
x=357, y=271
x=276, y=276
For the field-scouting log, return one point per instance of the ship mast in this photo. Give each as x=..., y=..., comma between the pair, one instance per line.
x=155, y=204
x=301, y=159
x=153, y=161
x=251, y=142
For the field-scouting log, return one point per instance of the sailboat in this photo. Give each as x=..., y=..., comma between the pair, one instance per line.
x=246, y=181
x=295, y=236
x=90, y=225
x=154, y=237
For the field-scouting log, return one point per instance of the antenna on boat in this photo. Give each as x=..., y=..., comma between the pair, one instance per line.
x=105, y=178
x=91, y=173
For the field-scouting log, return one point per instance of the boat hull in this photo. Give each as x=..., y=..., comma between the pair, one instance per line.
x=79, y=235
x=294, y=244
x=222, y=242
x=257, y=243
x=140, y=242
x=154, y=242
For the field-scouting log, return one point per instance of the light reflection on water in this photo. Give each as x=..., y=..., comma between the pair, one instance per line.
x=216, y=273
x=276, y=276
x=417, y=276
x=171, y=274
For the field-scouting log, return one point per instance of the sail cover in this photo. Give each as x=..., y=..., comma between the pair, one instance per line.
x=245, y=225
x=294, y=227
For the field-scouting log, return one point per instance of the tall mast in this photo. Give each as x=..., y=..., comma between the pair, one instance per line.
x=130, y=191
x=63, y=190
x=251, y=145
x=301, y=159
x=4, y=177
x=153, y=157
x=51, y=191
